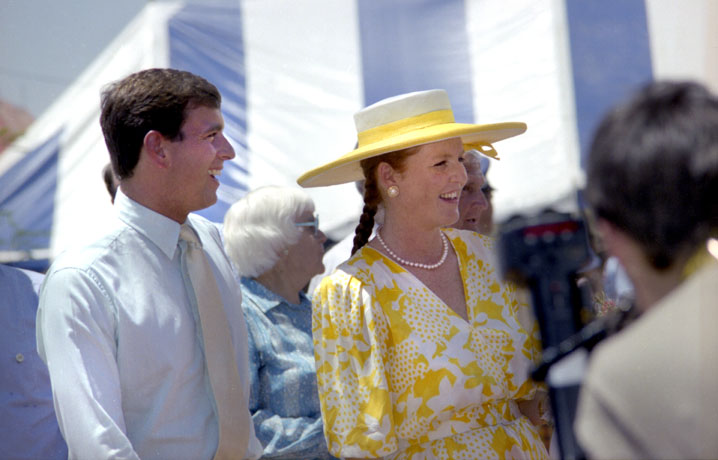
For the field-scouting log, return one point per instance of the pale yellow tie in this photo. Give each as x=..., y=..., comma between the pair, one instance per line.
x=218, y=350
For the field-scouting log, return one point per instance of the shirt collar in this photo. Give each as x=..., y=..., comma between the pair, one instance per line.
x=161, y=230
x=264, y=298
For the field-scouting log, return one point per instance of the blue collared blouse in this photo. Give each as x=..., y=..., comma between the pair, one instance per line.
x=283, y=398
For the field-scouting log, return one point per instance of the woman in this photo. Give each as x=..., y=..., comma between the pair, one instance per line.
x=274, y=241
x=420, y=349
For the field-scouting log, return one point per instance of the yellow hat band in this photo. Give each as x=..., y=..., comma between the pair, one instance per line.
x=403, y=126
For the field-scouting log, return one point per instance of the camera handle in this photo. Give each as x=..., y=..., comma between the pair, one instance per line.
x=545, y=253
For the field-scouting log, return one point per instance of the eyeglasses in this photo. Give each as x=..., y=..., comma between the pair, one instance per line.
x=314, y=223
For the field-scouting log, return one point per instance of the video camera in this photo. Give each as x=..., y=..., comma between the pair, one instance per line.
x=545, y=253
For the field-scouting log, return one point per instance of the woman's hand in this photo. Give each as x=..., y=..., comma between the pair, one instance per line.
x=534, y=408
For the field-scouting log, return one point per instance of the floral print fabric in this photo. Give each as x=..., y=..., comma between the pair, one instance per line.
x=401, y=375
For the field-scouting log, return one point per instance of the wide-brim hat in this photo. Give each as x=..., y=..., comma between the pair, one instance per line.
x=407, y=121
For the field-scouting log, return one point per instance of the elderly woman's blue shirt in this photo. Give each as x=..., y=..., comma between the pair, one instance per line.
x=283, y=399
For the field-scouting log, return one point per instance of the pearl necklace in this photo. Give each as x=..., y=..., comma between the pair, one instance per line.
x=417, y=264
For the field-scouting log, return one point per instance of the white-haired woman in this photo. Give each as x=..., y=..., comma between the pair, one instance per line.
x=272, y=236
x=421, y=352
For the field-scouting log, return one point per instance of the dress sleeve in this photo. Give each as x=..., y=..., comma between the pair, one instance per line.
x=350, y=336
x=75, y=337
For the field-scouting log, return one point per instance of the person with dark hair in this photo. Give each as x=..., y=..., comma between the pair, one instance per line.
x=419, y=345
x=652, y=183
x=142, y=330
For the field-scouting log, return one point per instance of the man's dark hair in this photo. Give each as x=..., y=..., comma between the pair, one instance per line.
x=154, y=99
x=653, y=169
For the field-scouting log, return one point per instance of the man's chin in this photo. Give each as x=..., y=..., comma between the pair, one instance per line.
x=209, y=201
x=470, y=225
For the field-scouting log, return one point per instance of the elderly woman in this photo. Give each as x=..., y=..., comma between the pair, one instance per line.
x=272, y=236
x=419, y=344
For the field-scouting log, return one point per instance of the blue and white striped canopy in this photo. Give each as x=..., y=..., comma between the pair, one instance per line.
x=292, y=73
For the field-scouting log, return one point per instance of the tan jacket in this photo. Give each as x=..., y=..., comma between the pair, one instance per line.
x=651, y=391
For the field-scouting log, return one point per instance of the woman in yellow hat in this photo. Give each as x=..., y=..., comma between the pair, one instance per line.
x=420, y=347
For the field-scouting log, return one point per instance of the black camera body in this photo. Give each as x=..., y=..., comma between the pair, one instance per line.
x=545, y=253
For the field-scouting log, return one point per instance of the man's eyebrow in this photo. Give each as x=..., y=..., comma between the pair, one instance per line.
x=213, y=127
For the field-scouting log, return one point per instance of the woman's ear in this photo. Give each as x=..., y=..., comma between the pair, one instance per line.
x=386, y=175
x=154, y=147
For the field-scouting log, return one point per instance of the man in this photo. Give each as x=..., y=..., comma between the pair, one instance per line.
x=119, y=324
x=28, y=427
x=652, y=181
x=473, y=203
x=486, y=218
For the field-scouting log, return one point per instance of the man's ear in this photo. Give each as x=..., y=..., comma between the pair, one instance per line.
x=616, y=242
x=154, y=147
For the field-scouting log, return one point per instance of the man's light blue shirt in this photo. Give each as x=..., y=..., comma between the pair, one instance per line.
x=284, y=401
x=28, y=427
x=121, y=337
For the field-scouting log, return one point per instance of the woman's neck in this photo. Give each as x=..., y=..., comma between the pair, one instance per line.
x=413, y=242
x=279, y=282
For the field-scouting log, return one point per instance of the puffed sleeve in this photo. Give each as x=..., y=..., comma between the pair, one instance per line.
x=350, y=337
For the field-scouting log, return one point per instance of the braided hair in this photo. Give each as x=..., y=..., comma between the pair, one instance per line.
x=372, y=196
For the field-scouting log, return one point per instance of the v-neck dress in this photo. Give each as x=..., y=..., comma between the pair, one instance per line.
x=402, y=376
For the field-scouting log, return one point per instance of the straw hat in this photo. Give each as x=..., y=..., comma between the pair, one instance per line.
x=406, y=121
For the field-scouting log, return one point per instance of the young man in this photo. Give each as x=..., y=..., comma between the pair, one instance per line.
x=119, y=323
x=652, y=180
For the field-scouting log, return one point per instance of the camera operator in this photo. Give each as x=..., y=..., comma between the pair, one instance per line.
x=651, y=390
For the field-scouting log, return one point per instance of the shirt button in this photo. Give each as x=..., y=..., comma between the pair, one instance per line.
x=19, y=358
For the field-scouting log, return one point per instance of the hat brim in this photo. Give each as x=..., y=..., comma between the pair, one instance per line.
x=347, y=169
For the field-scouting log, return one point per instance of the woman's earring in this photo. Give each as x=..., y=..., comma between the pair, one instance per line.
x=392, y=191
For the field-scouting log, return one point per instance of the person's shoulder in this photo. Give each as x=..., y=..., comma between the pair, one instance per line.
x=35, y=278
x=347, y=276
x=469, y=237
x=666, y=333
x=677, y=316
x=650, y=343
x=472, y=243
x=16, y=276
x=253, y=293
x=83, y=257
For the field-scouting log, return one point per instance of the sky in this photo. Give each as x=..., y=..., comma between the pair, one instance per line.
x=46, y=44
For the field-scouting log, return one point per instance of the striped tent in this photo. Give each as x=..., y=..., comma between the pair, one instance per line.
x=293, y=73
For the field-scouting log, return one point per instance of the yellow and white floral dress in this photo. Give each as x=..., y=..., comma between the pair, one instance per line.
x=402, y=376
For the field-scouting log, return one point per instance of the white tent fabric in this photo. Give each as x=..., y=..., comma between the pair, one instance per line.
x=293, y=73
x=73, y=194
